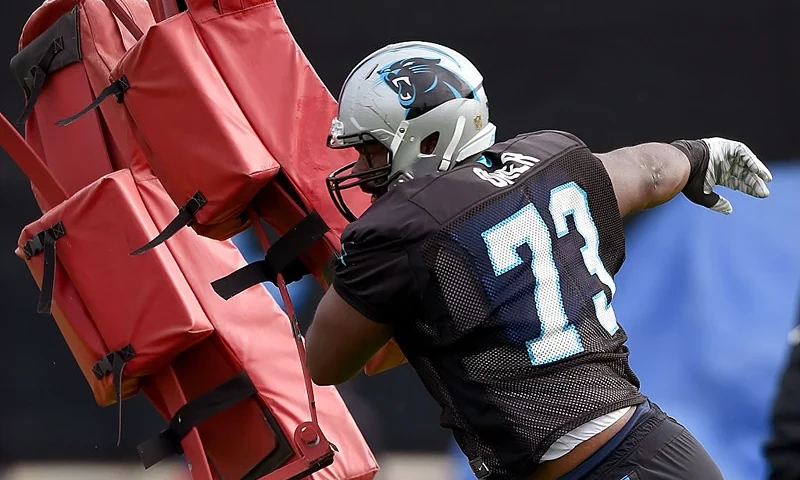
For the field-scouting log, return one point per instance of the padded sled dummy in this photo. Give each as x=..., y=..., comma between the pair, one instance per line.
x=248, y=43
x=142, y=307
x=136, y=315
x=208, y=76
x=58, y=54
x=224, y=101
x=253, y=335
x=250, y=357
x=193, y=132
x=251, y=408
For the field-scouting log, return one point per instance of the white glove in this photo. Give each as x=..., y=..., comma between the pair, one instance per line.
x=733, y=165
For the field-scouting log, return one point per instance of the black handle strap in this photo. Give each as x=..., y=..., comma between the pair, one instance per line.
x=282, y=257
x=184, y=218
x=48, y=276
x=207, y=405
x=45, y=241
x=114, y=363
x=117, y=88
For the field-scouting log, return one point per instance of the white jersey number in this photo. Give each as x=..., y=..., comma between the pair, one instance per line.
x=558, y=339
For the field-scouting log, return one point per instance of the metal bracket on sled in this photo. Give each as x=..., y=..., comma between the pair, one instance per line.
x=315, y=451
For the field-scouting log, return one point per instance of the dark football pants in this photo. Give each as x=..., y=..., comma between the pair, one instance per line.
x=656, y=448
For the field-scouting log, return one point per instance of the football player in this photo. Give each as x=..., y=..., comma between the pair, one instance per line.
x=491, y=264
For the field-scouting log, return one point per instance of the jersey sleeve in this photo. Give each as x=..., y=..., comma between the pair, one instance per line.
x=374, y=274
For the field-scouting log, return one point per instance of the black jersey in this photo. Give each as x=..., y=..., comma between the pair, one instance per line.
x=498, y=278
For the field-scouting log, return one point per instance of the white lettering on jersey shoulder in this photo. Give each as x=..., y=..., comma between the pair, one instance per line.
x=514, y=165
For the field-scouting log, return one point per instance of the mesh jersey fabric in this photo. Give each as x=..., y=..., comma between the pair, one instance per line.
x=498, y=277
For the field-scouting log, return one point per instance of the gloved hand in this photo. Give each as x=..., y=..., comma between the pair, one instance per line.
x=728, y=163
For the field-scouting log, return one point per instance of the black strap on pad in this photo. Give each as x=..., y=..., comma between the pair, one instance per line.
x=56, y=48
x=114, y=363
x=184, y=218
x=117, y=88
x=282, y=257
x=45, y=241
x=207, y=405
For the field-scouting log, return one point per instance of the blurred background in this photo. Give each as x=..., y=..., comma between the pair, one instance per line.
x=708, y=301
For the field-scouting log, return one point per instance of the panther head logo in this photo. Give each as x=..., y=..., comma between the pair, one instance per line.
x=422, y=84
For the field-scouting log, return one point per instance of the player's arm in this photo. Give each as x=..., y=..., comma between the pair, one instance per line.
x=650, y=174
x=645, y=176
x=341, y=340
x=372, y=290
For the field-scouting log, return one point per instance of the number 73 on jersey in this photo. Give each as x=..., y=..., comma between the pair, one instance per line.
x=558, y=338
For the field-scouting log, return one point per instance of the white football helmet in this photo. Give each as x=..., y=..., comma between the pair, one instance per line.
x=398, y=96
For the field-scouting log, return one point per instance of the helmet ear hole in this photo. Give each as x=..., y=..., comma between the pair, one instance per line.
x=428, y=144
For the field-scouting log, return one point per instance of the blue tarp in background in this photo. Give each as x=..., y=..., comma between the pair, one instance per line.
x=707, y=301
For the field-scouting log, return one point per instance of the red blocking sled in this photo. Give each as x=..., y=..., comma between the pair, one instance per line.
x=203, y=85
x=254, y=405
x=234, y=49
x=227, y=384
